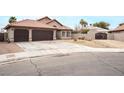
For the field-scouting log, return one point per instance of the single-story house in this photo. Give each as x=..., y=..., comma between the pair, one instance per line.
x=37, y=30
x=93, y=33
x=97, y=33
x=117, y=33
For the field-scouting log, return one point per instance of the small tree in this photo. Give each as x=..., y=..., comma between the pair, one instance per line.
x=102, y=24
x=121, y=24
x=12, y=19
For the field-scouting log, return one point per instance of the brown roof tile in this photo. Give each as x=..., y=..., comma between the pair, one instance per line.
x=46, y=17
x=118, y=29
x=54, y=20
x=57, y=24
x=50, y=24
x=29, y=23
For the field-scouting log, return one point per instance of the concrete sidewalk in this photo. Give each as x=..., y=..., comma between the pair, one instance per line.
x=29, y=54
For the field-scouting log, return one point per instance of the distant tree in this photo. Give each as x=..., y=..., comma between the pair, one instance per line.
x=102, y=24
x=121, y=24
x=12, y=19
x=83, y=23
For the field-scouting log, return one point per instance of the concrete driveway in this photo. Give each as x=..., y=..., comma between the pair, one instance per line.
x=43, y=48
x=61, y=46
x=49, y=45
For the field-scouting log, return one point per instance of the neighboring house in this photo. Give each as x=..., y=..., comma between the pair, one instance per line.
x=93, y=33
x=117, y=33
x=37, y=30
x=97, y=33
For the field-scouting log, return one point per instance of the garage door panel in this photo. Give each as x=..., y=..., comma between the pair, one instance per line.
x=39, y=35
x=100, y=36
x=21, y=35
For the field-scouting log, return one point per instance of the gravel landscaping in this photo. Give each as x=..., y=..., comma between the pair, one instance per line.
x=9, y=48
x=99, y=43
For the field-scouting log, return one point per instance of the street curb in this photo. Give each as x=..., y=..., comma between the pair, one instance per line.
x=23, y=55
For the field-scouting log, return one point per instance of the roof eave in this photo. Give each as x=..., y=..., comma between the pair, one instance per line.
x=116, y=30
x=43, y=18
x=8, y=26
x=66, y=29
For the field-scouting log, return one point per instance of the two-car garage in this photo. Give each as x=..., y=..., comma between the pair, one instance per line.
x=21, y=35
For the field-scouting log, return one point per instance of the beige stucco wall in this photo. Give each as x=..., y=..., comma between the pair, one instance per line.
x=90, y=35
x=78, y=35
x=30, y=35
x=58, y=34
x=116, y=36
x=119, y=35
x=54, y=35
x=10, y=34
x=110, y=36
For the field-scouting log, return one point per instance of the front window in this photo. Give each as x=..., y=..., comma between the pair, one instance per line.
x=63, y=34
x=68, y=34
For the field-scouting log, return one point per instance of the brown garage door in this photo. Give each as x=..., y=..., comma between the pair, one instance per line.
x=100, y=36
x=39, y=35
x=21, y=35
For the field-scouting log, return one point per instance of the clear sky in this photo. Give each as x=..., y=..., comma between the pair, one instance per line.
x=71, y=21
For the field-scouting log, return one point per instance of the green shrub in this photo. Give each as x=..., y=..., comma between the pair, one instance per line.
x=85, y=31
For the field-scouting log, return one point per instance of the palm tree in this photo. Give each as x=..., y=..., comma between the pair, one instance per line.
x=83, y=23
x=12, y=19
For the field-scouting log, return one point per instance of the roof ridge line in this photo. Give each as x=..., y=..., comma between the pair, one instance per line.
x=43, y=18
x=56, y=21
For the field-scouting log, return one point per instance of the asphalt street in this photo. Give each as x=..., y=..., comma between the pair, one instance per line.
x=75, y=64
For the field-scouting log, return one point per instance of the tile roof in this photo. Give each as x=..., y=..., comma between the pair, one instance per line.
x=29, y=23
x=54, y=20
x=37, y=24
x=46, y=17
x=59, y=26
x=118, y=29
